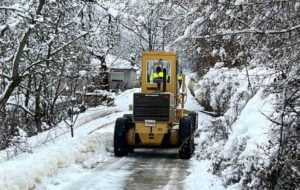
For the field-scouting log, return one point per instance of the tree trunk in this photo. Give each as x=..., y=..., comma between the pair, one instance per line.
x=8, y=91
x=16, y=78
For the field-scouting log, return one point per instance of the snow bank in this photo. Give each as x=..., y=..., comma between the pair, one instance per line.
x=251, y=125
x=200, y=178
x=244, y=149
x=233, y=156
x=27, y=173
x=123, y=100
x=55, y=149
x=236, y=139
x=82, y=126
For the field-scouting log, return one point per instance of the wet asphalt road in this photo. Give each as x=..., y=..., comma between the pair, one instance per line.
x=157, y=169
x=143, y=169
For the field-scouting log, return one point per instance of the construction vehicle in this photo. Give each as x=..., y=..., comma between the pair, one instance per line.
x=159, y=118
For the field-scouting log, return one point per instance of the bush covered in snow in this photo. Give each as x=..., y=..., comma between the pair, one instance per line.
x=262, y=47
x=237, y=149
x=253, y=142
x=226, y=90
x=248, y=143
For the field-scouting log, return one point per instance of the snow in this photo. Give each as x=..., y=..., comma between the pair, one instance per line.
x=92, y=116
x=83, y=73
x=113, y=62
x=195, y=27
x=230, y=13
x=93, y=179
x=58, y=160
x=213, y=16
x=141, y=20
x=239, y=2
x=200, y=178
x=124, y=99
x=251, y=125
x=26, y=173
x=243, y=118
x=113, y=12
x=55, y=152
x=191, y=103
x=2, y=27
x=297, y=6
x=218, y=65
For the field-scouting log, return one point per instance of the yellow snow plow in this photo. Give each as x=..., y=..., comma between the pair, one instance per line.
x=159, y=118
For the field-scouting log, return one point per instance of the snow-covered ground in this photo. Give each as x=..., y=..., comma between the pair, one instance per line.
x=54, y=152
x=28, y=170
x=199, y=177
x=92, y=116
x=87, y=162
x=58, y=160
x=235, y=141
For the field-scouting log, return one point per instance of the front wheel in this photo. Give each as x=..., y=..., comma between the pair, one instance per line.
x=120, y=144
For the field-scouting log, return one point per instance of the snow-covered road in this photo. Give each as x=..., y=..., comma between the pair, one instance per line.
x=157, y=169
x=87, y=162
x=144, y=169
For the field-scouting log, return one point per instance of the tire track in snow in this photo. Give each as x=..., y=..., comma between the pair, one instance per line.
x=102, y=126
x=82, y=121
x=144, y=169
x=110, y=175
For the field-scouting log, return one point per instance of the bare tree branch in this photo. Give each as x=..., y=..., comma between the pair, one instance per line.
x=3, y=29
x=5, y=76
x=68, y=43
x=247, y=31
x=11, y=9
x=22, y=107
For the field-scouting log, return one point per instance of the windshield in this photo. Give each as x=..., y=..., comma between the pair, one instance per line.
x=155, y=69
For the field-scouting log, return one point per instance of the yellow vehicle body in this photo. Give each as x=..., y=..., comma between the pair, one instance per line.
x=158, y=108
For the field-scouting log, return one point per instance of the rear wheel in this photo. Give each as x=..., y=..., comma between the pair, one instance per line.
x=120, y=144
x=129, y=119
x=186, y=137
x=130, y=124
x=194, y=117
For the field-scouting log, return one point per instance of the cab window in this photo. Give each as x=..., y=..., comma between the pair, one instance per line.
x=155, y=69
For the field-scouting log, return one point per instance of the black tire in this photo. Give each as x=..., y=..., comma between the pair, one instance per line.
x=186, y=137
x=129, y=124
x=120, y=144
x=129, y=117
x=185, y=128
x=194, y=117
